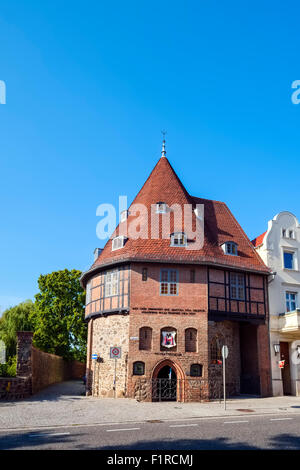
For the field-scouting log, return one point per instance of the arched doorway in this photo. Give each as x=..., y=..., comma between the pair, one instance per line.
x=166, y=382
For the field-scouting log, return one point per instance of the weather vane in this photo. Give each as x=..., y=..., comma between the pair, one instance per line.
x=163, y=150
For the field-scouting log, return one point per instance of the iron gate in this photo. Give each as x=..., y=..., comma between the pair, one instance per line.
x=164, y=389
x=183, y=389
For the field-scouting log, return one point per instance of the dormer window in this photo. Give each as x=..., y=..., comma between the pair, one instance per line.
x=230, y=248
x=124, y=215
x=178, y=239
x=161, y=207
x=117, y=243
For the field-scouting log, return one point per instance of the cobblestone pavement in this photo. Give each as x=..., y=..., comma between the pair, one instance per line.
x=66, y=404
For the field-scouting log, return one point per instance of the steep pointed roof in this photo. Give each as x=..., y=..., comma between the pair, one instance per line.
x=163, y=185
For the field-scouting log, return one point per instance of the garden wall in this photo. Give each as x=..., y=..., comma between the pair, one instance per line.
x=37, y=370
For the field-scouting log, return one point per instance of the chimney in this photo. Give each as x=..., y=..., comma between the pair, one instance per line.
x=97, y=253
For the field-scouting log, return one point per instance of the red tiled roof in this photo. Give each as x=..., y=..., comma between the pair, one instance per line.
x=258, y=240
x=219, y=226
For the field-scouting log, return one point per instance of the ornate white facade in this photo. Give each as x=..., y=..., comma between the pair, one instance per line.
x=279, y=248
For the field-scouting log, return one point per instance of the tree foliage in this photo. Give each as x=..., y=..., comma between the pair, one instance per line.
x=15, y=319
x=9, y=369
x=58, y=317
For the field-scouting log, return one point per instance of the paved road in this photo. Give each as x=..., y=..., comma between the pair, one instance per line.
x=65, y=404
x=247, y=432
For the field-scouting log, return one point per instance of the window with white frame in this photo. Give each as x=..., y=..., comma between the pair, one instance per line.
x=291, y=233
x=111, y=283
x=161, y=207
x=237, y=286
x=288, y=260
x=88, y=296
x=168, y=282
x=118, y=242
x=230, y=248
x=291, y=301
x=178, y=239
x=288, y=233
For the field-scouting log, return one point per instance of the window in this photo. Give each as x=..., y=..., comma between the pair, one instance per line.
x=291, y=234
x=230, y=248
x=118, y=242
x=192, y=275
x=288, y=259
x=138, y=368
x=88, y=293
x=178, y=239
x=196, y=370
x=237, y=286
x=216, y=349
x=283, y=232
x=291, y=301
x=124, y=215
x=168, y=282
x=145, y=274
x=161, y=207
x=191, y=340
x=145, y=338
x=111, y=283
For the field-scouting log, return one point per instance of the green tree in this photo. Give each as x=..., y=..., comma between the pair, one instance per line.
x=58, y=317
x=15, y=319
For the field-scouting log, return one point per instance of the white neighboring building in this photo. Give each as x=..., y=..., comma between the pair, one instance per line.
x=279, y=247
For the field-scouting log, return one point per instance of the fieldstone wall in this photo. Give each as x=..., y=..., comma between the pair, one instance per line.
x=108, y=331
x=12, y=388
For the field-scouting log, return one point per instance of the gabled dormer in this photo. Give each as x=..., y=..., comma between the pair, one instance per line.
x=230, y=248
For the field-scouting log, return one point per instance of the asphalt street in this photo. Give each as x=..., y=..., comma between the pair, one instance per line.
x=248, y=432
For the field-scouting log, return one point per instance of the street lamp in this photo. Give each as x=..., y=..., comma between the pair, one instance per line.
x=276, y=347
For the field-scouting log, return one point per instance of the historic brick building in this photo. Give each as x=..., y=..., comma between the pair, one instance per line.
x=171, y=307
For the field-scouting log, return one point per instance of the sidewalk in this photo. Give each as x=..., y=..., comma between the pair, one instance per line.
x=64, y=404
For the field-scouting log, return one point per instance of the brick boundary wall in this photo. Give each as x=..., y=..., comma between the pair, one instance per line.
x=37, y=370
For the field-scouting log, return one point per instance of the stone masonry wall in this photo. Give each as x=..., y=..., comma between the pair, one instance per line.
x=108, y=331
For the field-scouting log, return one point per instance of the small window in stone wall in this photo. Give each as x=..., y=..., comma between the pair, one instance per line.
x=145, y=338
x=191, y=340
x=216, y=349
x=138, y=368
x=196, y=370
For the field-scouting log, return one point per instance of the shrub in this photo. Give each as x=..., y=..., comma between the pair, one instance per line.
x=9, y=369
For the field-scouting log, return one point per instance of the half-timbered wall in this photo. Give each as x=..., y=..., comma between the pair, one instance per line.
x=108, y=291
x=222, y=305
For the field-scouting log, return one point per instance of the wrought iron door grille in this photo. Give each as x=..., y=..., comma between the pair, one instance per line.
x=183, y=389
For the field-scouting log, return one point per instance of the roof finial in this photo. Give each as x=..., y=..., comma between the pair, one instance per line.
x=163, y=149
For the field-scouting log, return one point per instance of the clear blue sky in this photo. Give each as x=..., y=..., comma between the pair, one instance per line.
x=91, y=84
